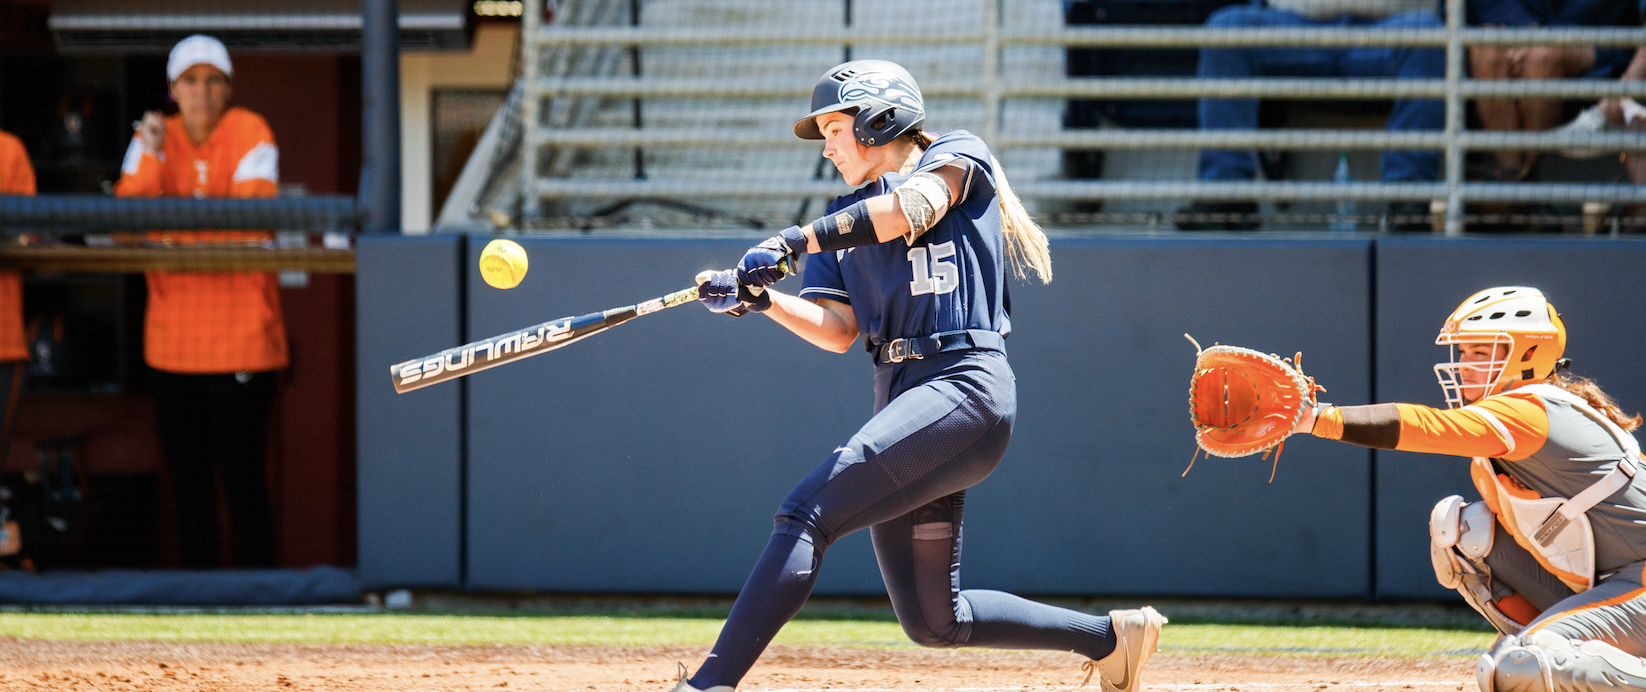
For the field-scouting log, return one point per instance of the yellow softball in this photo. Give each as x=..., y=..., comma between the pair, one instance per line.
x=503, y=263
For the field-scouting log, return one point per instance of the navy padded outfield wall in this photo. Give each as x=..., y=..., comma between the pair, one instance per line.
x=649, y=458
x=409, y=303
x=1091, y=499
x=652, y=457
x=1596, y=285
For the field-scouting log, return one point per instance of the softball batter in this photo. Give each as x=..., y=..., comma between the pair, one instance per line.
x=1554, y=555
x=916, y=260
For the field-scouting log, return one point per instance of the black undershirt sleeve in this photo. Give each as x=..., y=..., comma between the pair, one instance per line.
x=1376, y=426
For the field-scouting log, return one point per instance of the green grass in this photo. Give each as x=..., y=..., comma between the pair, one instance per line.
x=683, y=629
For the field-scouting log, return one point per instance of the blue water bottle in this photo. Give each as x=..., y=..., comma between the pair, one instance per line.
x=1344, y=219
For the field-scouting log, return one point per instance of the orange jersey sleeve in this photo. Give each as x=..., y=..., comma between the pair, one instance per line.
x=142, y=172
x=257, y=170
x=1509, y=426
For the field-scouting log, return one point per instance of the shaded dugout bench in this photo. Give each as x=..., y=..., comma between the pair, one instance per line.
x=643, y=459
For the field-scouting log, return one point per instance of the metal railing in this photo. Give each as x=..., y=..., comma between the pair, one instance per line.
x=71, y=213
x=991, y=88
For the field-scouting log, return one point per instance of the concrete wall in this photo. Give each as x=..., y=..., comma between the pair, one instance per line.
x=652, y=457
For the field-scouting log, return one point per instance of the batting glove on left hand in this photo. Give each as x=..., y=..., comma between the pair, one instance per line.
x=763, y=265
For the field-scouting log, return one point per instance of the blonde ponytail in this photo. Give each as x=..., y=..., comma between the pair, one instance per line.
x=1025, y=242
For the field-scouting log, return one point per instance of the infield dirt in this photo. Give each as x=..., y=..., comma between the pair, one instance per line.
x=29, y=664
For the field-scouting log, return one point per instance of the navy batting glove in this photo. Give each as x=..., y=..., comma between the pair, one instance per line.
x=719, y=293
x=761, y=264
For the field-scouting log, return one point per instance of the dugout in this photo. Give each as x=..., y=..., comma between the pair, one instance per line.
x=81, y=457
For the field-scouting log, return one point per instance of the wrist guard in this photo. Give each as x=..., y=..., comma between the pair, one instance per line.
x=849, y=227
x=792, y=241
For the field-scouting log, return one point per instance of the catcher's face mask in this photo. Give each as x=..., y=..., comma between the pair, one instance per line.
x=1475, y=368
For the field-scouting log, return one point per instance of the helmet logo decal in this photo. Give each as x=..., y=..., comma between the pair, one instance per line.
x=882, y=99
x=880, y=86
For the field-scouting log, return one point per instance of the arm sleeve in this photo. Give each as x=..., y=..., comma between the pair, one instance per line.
x=141, y=173
x=1376, y=426
x=1509, y=426
x=967, y=152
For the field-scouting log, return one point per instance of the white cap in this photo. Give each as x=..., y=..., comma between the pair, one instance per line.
x=198, y=49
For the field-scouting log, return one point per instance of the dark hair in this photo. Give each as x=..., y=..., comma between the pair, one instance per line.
x=920, y=138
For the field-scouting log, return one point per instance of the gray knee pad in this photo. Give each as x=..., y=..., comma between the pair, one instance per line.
x=1549, y=662
x=1460, y=538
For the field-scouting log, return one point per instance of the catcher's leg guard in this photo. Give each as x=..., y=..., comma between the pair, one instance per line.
x=1548, y=662
x=1460, y=537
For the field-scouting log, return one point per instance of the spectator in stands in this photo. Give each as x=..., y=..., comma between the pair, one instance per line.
x=1617, y=114
x=16, y=178
x=1376, y=61
x=1540, y=62
x=214, y=339
x=1610, y=114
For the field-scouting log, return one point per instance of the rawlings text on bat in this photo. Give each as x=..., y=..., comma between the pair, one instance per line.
x=453, y=363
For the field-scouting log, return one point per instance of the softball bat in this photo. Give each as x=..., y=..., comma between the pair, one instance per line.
x=471, y=358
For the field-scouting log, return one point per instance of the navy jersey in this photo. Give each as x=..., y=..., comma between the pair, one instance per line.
x=949, y=279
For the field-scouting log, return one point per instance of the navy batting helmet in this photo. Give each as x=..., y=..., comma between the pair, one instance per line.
x=880, y=95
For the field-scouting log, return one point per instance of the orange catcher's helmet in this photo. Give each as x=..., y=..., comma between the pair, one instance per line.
x=1517, y=316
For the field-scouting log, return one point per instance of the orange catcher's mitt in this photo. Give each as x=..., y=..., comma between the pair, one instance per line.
x=1244, y=402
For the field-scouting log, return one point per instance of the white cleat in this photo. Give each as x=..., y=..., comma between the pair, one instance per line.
x=1137, y=637
x=683, y=686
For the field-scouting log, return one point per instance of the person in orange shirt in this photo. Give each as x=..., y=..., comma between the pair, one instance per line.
x=214, y=339
x=16, y=178
x=1554, y=556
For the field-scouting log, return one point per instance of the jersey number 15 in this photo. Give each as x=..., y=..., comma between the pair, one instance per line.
x=934, y=269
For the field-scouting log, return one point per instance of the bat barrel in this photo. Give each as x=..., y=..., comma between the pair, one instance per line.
x=453, y=363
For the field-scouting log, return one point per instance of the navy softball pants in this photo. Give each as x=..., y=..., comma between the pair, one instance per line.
x=940, y=426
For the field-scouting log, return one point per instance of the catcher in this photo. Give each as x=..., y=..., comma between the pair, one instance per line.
x=1554, y=556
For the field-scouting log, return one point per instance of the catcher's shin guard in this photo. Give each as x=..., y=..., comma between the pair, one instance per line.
x=1460, y=538
x=1137, y=636
x=1548, y=662
x=684, y=686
